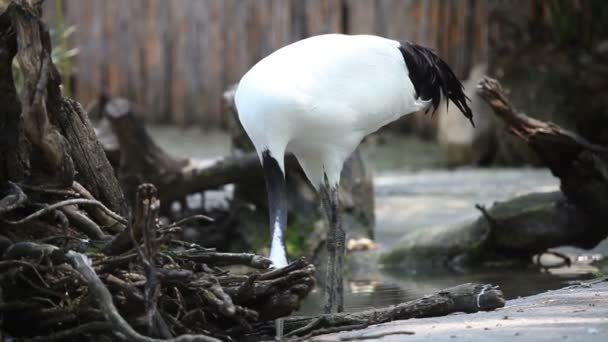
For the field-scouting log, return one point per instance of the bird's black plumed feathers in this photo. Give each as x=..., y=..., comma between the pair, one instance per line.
x=432, y=77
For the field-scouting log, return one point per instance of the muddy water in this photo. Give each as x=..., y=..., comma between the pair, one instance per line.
x=413, y=192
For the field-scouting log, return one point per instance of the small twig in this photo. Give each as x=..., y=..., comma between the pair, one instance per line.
x=73, y=201
x=59, y=192
x=49, y=239
x=331, y=330
x=190, y=245
x=223, y=259
x=99, y=214
x=83, y=223
x=486, y=215
x=188, y=219
x=147, y=205
x=115, y=260
x=279, y=272
x=375, y=336
x=305, y=330
x=128, y=289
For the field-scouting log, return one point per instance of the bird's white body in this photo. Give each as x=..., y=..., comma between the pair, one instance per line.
x=319, y=97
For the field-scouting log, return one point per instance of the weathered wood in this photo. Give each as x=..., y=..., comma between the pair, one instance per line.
x=13, y=160
x=528, y=225
x=467, y=298
x=51, y=140
x=581, y=166
x=40, y=87
x=141, y=159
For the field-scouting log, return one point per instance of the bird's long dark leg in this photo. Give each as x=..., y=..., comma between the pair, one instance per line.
x=340, y=250
x=335, y=248
x=330, y=243
x=277, y=208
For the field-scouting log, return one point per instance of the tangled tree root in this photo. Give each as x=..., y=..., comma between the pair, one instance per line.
x=162, y=287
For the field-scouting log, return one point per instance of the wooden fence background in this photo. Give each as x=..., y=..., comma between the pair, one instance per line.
x=174, y=58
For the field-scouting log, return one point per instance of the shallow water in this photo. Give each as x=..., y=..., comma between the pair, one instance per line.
x=392, y=287
x=407, y=200
x=413, y=193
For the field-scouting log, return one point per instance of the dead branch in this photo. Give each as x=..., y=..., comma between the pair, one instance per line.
x=73, y=201
x=146, y=216
x=105, y=219
x=142, y=160
x=83, y=223
x=581, y=166
x=188, y=219
x=225, y=259
x=467, y=298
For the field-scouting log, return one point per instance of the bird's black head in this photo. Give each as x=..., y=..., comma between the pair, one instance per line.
x=432, y=77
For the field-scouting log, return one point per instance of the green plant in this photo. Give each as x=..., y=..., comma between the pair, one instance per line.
x=61, y=54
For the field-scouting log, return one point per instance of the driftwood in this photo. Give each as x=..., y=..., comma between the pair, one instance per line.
x=467, y=298
x=581, y=166
x=517, y=229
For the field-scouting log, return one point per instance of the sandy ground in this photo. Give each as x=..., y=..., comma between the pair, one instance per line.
x=575, y=313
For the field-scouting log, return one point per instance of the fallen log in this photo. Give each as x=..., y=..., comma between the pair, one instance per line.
x=581, y=166
x=517, y=229
x=467, y=298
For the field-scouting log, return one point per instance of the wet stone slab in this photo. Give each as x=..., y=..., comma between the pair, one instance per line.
x=576, y=313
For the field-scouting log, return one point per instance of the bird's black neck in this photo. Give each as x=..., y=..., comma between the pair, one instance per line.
x=277, y=204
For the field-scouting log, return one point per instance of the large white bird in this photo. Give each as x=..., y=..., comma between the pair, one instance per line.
x=318, y=98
